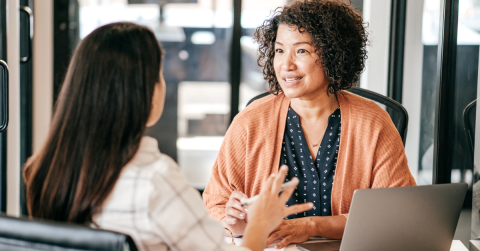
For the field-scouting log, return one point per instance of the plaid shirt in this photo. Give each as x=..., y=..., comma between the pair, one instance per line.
x=153, y=203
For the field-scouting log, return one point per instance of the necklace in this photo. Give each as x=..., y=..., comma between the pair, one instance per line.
x=316, y=144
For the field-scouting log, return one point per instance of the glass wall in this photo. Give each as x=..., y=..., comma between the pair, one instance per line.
x=196, y=37
x=467, y=81
x=468, y=41
x=420, y=85
x=199, y=68
x=376, y=16
x=254, y=13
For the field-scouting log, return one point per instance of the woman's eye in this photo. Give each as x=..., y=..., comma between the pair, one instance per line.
x=302, y=51
x=278, y=51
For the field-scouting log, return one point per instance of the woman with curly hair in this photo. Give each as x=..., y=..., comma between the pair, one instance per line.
x=334, y=141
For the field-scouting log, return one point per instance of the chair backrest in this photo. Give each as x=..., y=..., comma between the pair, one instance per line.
x=397, y=112
x=469, y=115
x=29, y=235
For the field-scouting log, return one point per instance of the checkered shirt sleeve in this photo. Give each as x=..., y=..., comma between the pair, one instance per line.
x=153, y=203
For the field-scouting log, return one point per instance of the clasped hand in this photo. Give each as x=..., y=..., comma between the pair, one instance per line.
x=292, y=231
x=235, y=215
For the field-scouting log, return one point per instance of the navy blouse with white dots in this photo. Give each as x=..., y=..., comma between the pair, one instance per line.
x=315, y=176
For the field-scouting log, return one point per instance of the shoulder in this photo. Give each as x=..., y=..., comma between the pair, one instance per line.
x=152, y=165
x=166, y=170
x=166, y=183
x=361, y=109
x=157, y=173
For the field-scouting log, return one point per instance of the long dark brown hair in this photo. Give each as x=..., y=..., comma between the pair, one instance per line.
x=99, y=119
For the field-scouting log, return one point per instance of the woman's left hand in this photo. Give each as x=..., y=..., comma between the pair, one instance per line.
x=292, y=231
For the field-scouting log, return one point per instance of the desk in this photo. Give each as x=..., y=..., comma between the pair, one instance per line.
x=456, y=245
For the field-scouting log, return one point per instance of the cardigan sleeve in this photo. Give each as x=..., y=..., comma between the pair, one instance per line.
x=228, y=171
x=390, y=166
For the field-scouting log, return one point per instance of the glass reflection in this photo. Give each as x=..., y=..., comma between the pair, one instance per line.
x=196, y=38
x=466, y=167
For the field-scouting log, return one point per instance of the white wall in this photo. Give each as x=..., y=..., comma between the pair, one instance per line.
x=377, y=14
x=42, y=71
x=412, y=80
x=13, y=130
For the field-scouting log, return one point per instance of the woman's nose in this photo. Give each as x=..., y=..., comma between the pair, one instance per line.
x=288, y=63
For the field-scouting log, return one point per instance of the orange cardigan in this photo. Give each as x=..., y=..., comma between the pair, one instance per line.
x=371, y=153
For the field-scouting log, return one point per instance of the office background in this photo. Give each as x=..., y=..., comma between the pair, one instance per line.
x=422, y=53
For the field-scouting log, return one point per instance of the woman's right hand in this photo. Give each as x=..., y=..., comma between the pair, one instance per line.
x=268, y=211
x=235, y=215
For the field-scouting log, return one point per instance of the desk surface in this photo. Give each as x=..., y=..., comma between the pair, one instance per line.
x=456, y=245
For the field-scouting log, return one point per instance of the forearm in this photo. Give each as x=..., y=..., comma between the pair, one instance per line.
x=255, y=237
x=330, y=227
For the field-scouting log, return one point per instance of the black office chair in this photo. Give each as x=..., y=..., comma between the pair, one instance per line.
x=397, y=112
x=33, y=235
x=469, y=122
x=469, y=115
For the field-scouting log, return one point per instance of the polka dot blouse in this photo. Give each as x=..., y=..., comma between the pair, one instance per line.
x=315, y=176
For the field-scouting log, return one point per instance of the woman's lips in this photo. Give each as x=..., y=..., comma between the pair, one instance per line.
x=292, y=81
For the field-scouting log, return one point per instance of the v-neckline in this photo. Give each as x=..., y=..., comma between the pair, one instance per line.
x=303, y=139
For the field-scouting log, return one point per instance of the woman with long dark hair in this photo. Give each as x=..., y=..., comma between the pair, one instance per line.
x=97, y=167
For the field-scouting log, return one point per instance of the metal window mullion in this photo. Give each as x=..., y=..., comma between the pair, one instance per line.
x=397, y=49
x=445, y=114
x=235, y=59
x=26, y=106
x=3, y=135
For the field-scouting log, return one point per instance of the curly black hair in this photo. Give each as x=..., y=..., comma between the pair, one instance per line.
x=336, y=30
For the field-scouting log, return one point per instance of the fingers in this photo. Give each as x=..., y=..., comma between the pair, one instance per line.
x=279, y=179
x=298, y=208
x=268, y=183
x=234, y=213
x=234, y=210
x=287, y=193
x=286, y=240
x=237, y=195
x=275, y=235
x=234, y=205
x=230, y=220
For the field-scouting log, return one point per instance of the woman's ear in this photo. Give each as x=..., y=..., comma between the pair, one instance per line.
x=158, y=100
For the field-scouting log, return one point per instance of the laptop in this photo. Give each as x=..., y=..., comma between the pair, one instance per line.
x=420, y=218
